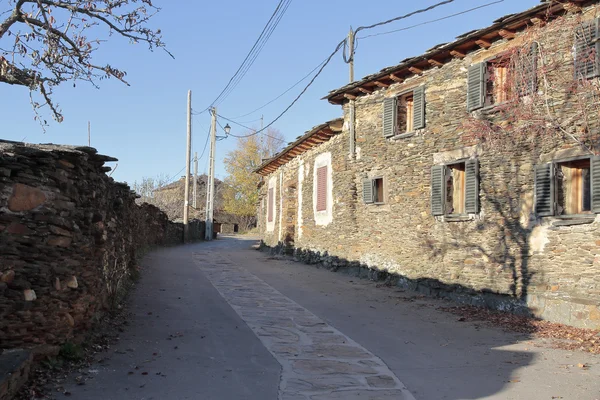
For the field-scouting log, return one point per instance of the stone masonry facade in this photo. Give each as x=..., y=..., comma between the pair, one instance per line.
x=503, y=256
x=70, y=239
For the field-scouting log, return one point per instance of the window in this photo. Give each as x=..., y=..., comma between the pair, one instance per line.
x=568, y=187
x=373, y=191
x=455, y=188
x=404, y=113
x=495, y=81
x=270, y=204
x=586, y=50
x=321, y=188
x=497, y=85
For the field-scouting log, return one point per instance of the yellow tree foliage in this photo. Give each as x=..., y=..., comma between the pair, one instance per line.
x=241, y=185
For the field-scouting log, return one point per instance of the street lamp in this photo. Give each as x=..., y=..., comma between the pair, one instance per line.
x=227, y=129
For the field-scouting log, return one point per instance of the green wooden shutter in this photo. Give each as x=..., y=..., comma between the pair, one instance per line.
x=475, y=86
x=368, y=193
x=544, y=189
x=419, y=108
x=438, y=189
x=528, y=80
x=587, y=59
x=389, y=117
x=595, y=181
x=472, y=186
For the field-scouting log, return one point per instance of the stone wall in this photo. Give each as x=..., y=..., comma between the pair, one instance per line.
x=548, y=266
x=70, y=239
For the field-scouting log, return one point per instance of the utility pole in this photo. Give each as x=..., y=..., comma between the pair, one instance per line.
x=188, y=154
x=351, y=50
x=210, y=187
x=89, y=134
x=195, y=179
x=352, y=135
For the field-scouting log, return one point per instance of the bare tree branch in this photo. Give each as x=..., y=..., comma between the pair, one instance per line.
x=45, y=42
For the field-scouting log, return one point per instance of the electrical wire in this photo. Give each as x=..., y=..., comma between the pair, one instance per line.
x=324, y=64
x=282, y=94
x=253, y=53
x=432, y=21
x=250, y=129
x=340, y=45
x=255, y=56
x=410, y=14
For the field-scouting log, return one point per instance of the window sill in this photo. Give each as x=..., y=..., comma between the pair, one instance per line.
x=378, y=207
x=457, y=218
x=574, y=219
x=404, y=135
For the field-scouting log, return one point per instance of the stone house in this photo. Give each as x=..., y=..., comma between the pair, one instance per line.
x=469, y=172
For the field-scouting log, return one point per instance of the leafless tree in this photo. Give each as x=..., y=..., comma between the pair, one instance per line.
x=45, y=43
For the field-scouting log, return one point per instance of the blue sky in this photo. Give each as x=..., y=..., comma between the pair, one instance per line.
x=144, y=125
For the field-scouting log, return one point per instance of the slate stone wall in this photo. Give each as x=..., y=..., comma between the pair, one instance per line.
x=70, y=238
x=503, y=257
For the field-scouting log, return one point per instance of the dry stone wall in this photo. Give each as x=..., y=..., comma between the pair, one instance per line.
x=70, y=238
x=504, y=257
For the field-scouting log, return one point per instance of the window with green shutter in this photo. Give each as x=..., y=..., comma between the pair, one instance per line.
x=568, y=187
x=502, y=78
x=404, y=113
x=455, y=188
x=373, y=191
x=587, y=48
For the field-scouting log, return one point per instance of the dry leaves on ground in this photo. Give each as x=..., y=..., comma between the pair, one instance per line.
x=565, y=337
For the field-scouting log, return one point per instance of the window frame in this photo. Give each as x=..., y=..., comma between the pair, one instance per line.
x=418, y=113
x=556, y=164
x=407, y=122
x=469, y=183
x=370, y=182
x=376, y=199
x=463, y=189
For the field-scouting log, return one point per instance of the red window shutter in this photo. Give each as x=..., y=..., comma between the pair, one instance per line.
x=270, y=206
x=322, y=188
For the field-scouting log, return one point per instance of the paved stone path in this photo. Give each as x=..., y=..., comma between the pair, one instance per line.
x=318, y=361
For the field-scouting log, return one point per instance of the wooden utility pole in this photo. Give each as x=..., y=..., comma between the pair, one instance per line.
x=188, y=154
x=210, y=187
x=195, y=180
x=351, y=51
x=352, y=105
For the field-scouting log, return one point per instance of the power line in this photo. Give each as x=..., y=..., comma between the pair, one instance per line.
x=360, y=28
x=255, y=56
x=250, y=129
x=328, y=59
x=433, y=20
x=254, y=52
x=281, y=95
x=324, y=64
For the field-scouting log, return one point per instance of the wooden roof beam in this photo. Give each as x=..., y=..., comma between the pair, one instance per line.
x=435, y=63
x=381, y=84
x=484, y=44
x=396, y=78
x=537, y=21
x=350, y=96
x=457, y=54
x=365, y=90
x=415, y=70
x=507, y=33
